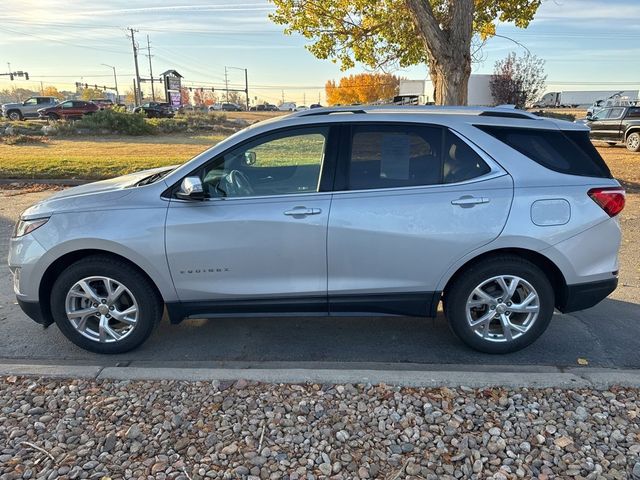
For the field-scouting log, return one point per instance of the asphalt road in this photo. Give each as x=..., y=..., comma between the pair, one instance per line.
x=607, y=335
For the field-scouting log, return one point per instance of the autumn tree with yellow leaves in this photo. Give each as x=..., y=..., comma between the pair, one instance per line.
x=362, y=88
x=390, y=33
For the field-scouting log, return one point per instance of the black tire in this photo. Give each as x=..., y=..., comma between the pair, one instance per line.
x=461, y=289
x=633, y=142
x=53, y=117
x=611, y=144
x=15, y=115
x=150, y=307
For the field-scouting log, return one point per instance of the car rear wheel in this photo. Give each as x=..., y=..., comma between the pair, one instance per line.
x=105, y=305
x=633, y=142
x=500, y=305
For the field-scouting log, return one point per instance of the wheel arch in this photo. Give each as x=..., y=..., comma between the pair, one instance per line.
x=548, y=267
x=15, y=110
x=61, y=263
x=630, y=130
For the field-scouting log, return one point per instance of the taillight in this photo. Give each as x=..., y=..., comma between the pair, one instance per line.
x=610, y=199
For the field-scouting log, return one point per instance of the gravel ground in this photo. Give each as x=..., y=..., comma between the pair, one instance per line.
x=177, y=430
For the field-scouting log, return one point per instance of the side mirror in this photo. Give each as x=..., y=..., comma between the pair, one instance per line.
x=191, y=189
x=589, y=115
x=250, y=158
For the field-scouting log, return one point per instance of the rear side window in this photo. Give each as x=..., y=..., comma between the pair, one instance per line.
x=633, y=112
x=392, y=156
x=564, y=151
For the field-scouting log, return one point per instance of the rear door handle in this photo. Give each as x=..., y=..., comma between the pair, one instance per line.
x=467, y=201
x=302, y=211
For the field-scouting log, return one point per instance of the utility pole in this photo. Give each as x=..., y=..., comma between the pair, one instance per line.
x=246, y=87
x=282, y=96
x=304, y=98
x=153, y=91
x=137, y=91
x=115, y=81
x=41, y=88
x=226, y=84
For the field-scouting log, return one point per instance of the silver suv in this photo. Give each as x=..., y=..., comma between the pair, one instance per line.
x=27, y=109
x=496, y=214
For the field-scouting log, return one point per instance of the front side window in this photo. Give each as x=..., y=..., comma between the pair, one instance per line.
x=391, y=156
x=279, y=164
x=67, y=105
x=31, y=101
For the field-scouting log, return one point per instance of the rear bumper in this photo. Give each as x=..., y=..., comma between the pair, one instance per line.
x=34, y=311
x=585, y=295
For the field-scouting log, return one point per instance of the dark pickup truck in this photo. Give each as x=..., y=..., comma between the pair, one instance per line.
x=616, y=125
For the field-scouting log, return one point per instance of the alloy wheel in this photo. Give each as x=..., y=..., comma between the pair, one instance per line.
x=502, y=308
x=101, y=309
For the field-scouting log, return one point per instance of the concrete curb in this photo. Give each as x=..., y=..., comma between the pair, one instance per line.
x=572, y=378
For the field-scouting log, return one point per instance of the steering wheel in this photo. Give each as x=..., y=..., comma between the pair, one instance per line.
x=239, y=183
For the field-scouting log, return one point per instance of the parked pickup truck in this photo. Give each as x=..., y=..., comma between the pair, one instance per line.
x=616, y=125
x=27, y=109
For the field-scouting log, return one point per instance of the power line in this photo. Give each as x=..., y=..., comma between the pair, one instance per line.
x=137, y=90
x=55, y=40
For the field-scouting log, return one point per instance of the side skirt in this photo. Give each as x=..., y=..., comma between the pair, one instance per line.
x=418, y=304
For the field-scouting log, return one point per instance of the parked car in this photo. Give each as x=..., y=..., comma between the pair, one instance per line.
x=287, y=107
x=216, y=107
x=231, y=107
x=265, y=107
x=501, y=215
x=68, y=110
x=27, y=109
x=301, y=108
x=615, y=100
x=616, y=125
x=155, y=110
x=103, y=102
x=315, y=105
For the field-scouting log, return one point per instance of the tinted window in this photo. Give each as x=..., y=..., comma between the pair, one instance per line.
x=563, y=151
x=31, y=101
x=395, y=156
x=279, y=164
x=460, y=161
x=405, y=156
x=633, y=113
x=67, y=105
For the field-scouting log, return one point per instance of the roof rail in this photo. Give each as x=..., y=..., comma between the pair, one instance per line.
x=500, y=111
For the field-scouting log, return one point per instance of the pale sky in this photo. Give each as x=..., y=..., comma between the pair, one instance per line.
x=587, y=45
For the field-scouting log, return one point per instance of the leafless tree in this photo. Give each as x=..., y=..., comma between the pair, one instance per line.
x=517, y=80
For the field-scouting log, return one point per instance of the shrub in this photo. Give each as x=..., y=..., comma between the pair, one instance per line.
x=115, y=122
x=22, y=139
x=168, y=125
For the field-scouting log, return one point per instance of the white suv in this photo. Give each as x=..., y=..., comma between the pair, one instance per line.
x=500, y=215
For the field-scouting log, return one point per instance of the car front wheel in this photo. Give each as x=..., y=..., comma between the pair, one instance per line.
x=104, y=305
x=15, y=115
x=500, y=305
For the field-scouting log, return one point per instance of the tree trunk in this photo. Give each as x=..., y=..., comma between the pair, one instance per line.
x=450, y=82
x=448, y=45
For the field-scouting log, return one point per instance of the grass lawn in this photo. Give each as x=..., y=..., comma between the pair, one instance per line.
x=95, y=158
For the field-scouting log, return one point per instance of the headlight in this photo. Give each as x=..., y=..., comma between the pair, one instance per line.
x=24, y=227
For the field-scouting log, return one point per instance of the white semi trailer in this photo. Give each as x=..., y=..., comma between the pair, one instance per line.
x=422, y=91
x=581, y=98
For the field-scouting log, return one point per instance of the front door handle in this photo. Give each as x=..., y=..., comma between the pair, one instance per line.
x=302, y=211
x=468, y=201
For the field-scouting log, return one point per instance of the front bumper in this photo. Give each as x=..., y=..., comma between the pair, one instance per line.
x=585, y=295
x=34, y=311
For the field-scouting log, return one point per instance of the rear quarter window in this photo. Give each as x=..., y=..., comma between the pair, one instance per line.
x=564, y=151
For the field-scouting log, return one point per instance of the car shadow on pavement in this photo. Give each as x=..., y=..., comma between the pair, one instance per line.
x=607, y=335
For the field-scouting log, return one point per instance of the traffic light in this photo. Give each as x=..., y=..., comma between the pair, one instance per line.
x=11, y=75
x=26, y=76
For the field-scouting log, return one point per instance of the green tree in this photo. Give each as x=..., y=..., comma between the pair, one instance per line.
x=386, y=33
